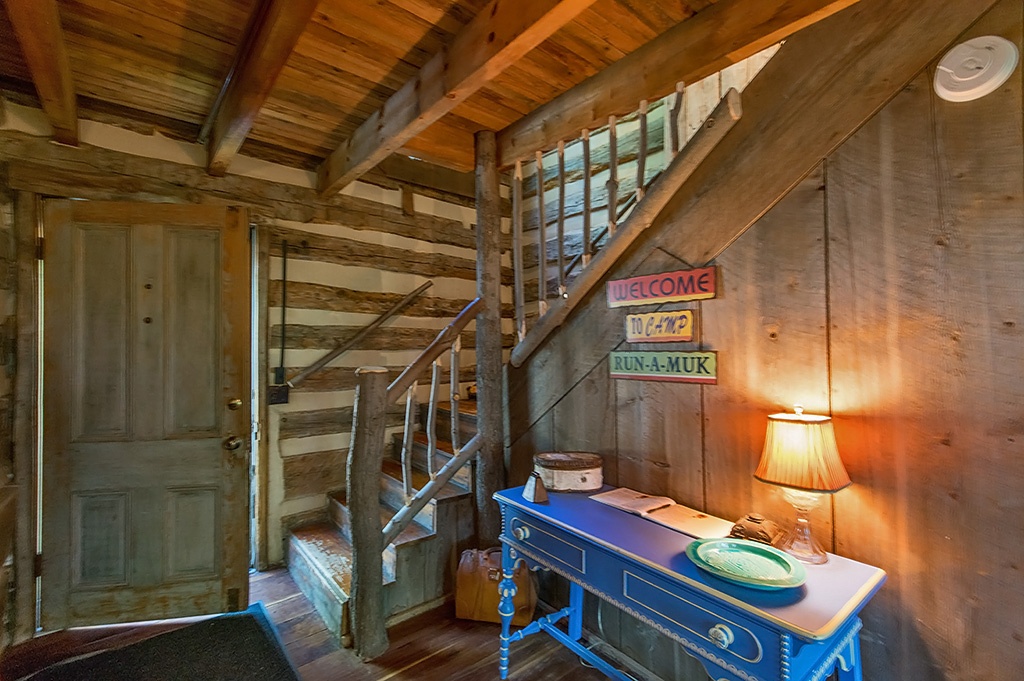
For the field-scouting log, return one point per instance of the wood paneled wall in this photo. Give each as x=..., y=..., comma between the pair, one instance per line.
x=888, y=289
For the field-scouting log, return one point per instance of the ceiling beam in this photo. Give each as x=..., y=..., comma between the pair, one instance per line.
x=721, y=35
x=274, y=29
x=37, y=26
x=498, y=36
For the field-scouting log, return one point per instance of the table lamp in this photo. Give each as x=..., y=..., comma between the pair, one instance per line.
x=801, y=456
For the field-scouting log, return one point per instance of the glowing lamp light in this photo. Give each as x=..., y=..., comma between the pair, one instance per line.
x=800, y=455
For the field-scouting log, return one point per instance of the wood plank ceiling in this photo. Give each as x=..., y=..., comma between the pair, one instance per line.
x=162, y=63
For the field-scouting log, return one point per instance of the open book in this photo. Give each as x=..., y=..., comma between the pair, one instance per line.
x=665, y=511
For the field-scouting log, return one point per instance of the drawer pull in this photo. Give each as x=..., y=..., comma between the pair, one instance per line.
x=521, y=533
x=721, y=636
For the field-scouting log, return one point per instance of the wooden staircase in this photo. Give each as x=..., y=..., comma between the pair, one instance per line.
x=419, y=565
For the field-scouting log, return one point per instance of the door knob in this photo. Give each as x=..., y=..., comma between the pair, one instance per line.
x=232, y=443
x=235, y=404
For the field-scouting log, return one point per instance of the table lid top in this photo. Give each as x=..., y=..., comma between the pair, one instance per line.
x=831, y=596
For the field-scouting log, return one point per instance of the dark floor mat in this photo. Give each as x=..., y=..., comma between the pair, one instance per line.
x=241, y=646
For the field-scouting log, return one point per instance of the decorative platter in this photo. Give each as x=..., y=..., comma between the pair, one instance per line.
x=750, y=563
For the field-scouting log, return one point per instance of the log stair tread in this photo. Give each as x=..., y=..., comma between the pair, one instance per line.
x=330, y=552
x=467, y=407
x=393, y=469
x=412, y=533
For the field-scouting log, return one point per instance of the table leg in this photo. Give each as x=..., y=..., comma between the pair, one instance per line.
x=849, y=662
x=576, y=611
x=506, y=609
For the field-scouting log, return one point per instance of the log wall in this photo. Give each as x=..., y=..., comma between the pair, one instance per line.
x=351, y=257
x=343, y=271
x=888, y=289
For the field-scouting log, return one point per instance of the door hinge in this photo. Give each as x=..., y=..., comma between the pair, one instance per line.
x=37, y=565
x=40, y=247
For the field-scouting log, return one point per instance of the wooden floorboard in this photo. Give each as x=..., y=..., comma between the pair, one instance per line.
x=432, y=646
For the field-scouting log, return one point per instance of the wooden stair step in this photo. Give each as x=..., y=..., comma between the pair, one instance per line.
x=445, y=452
x=392, y=470
x=467, y=407
x=324, y=546
x=339, y=514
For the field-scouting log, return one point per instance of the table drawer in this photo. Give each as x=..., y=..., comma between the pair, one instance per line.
x=554, y=547
x=735, y=639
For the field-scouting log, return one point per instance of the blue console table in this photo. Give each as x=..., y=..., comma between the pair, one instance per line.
x=738, y=633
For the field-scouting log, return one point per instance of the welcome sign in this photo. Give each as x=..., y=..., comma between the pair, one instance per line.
x=680, y=367
x=667, y=287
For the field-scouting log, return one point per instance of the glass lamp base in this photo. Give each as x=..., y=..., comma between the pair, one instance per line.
x=798, y=541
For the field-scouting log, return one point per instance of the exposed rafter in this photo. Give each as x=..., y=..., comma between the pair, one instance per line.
x=37, y=25
x=723, y=34
x=273, y=31
x=498, y=36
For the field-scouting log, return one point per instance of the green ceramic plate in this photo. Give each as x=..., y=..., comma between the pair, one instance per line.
x=749, y=563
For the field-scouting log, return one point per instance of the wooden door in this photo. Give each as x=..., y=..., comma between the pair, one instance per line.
x=145, y=383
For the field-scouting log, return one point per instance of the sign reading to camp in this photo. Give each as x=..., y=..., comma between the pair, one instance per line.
x=681, y=367
x=660, y=327
x=667, y=287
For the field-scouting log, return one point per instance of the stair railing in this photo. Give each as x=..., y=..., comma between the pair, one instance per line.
x=366, y=453
x=342, y=348
x=635, y=215
x=448, y=340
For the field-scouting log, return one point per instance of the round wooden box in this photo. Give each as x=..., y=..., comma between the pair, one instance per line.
x=569, y=471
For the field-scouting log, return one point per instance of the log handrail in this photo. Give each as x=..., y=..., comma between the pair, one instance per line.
x=342, y=348
x=440, y=344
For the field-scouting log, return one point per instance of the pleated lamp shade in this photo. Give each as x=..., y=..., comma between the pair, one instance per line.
x=800, y=452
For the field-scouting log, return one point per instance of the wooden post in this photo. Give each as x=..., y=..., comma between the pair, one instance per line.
x=673, y=118
x=587, y=247
x=517, y=251
x=542, y=238
x=365, y=456
x=612, y=185
x=26, y=217
x=561, y=218
x=490, y=475
x=641, y=154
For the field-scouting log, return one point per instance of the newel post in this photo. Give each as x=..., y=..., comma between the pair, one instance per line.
x=365, y=454
x=490, y=387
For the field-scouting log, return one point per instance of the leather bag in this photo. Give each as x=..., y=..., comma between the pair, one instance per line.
x=476, y=588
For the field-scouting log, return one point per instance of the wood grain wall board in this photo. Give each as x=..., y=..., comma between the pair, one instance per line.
x=585, y=420
x=327, y=337
x=341, y=251
x=538, y=437
x=296, y=424
x=304, y=295
x=584, y=341
x=769, y=326
x=658, y=438
x=313, y=473
x=332, y=379
x=926, y=269
x=804, y=103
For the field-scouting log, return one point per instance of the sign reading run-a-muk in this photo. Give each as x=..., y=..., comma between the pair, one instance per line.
x=660, y=327
x=667, y=287
x=681, y=367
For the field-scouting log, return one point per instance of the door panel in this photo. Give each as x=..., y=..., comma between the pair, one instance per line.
x=146, y=341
